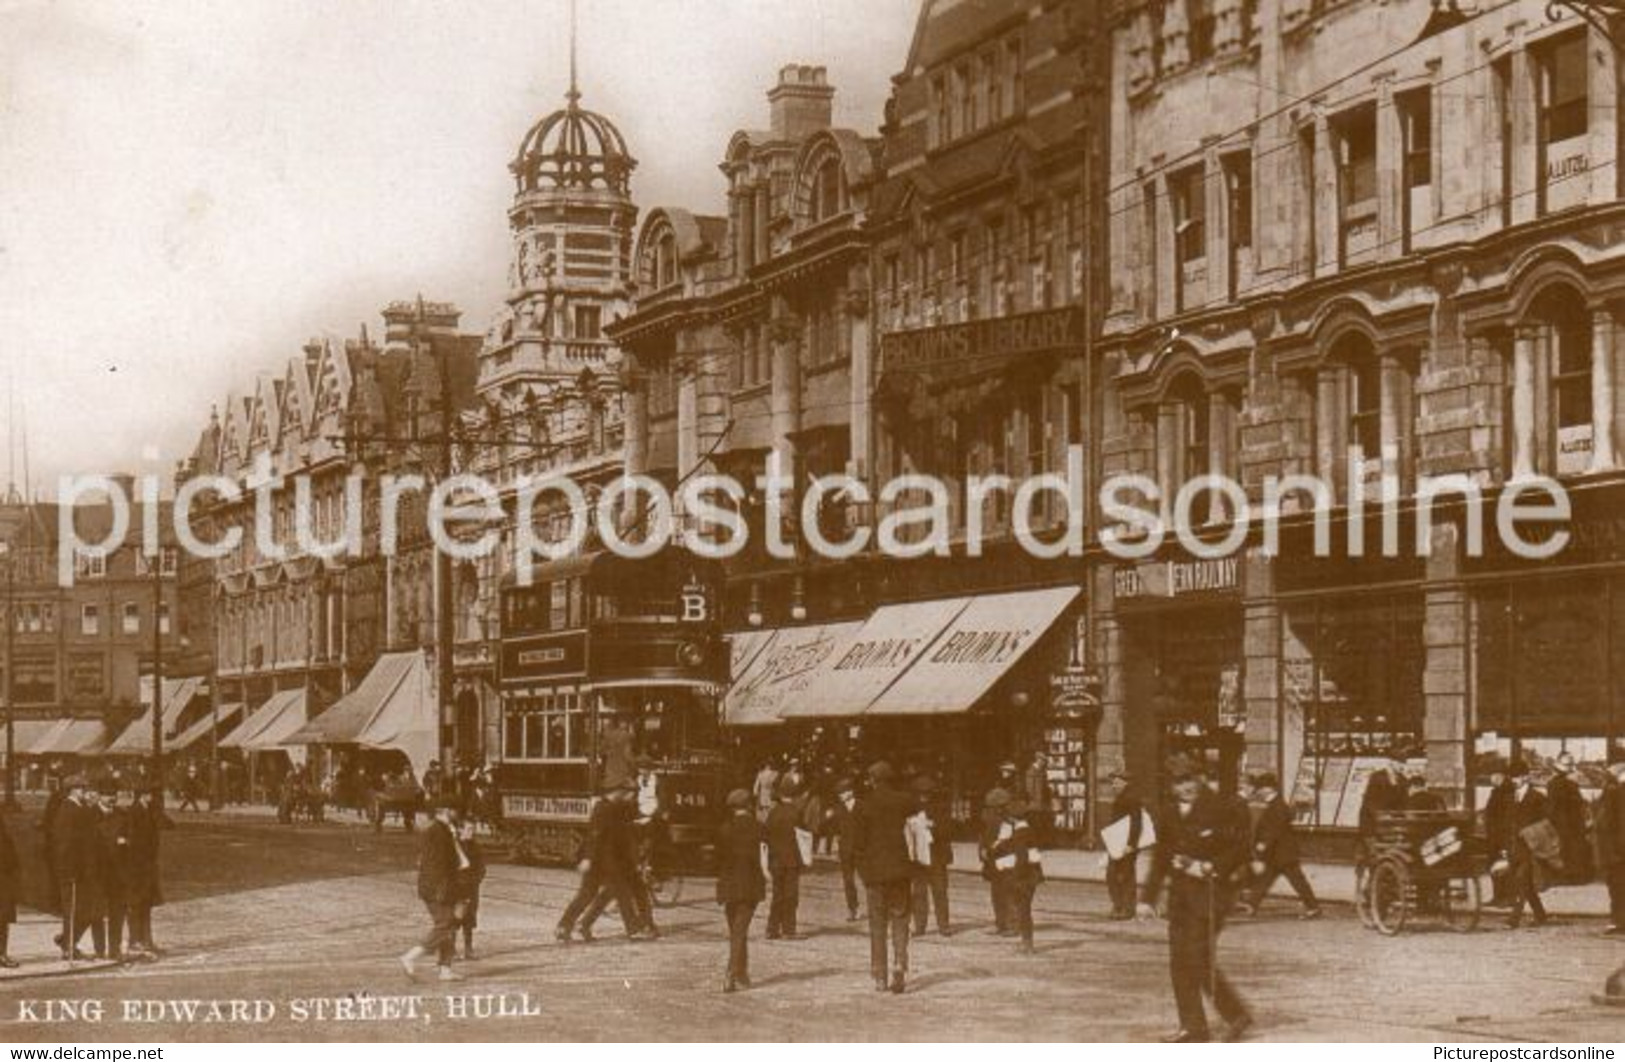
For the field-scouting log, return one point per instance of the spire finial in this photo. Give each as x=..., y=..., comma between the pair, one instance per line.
x=575, y=93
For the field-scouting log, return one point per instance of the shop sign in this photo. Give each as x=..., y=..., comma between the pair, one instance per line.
x=1177, y=578
x=949, y=346
x=1074, y=690
x=553, y=809
x=1573, y=449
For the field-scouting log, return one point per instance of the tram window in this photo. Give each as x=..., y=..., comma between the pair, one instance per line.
x=513, y=738
x=578, y=729
x=557, y=749
x=558, y=605
x=576, y=617
x=535, y=736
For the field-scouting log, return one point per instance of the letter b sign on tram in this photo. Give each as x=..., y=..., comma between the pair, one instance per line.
x=694, y=604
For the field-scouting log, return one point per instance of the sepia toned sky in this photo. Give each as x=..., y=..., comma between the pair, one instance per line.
x=189, y=190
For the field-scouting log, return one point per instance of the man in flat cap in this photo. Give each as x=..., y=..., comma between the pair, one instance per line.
x=441, y=864
x=784, y=863
x=881, y=850
x=1197, y=853
x=1121, y=872
x=740, y=882
x=1275, y=849
x=992, y=818
x=841, y=825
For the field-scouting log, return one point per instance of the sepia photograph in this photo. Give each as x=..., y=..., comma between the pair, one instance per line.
x=874, y=521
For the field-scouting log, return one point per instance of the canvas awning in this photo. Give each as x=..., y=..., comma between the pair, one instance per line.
x=350, y=715
x=408, y=721
x=136, y=740
x=871, y=658
x=72, y=737
x=200, y=729
x=25, y=733
x=977, y=647
x=785, y=666
x=280, y=715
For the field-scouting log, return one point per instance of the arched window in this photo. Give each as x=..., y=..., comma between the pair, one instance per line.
x=826, y=190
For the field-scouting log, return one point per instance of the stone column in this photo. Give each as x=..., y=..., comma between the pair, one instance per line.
x=856, y=316
x=759, y=227
x=634, y=417
x=784, y=332
x=1218, y=450
x=1523, y=402
x=1329, y=454
x=744, y=210
x=1445, y=679
x=1602, y=390
x=1391, y=414
x=1324, y=202
x=1261, y=653
x=688, y=413
x=1524, y=124
x=1169, y=443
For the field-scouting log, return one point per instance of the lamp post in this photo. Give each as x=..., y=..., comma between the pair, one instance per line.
x=157, y=681
x=10, y=683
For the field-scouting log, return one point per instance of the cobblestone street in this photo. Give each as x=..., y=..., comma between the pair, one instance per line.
x=332, y=931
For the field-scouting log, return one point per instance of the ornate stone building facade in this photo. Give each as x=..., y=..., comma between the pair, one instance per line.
x=548, y=393
x=1370, y=243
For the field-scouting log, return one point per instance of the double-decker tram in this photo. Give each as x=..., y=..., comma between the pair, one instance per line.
x=612, y=669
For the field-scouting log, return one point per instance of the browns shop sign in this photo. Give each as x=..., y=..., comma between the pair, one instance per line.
x=950, y=346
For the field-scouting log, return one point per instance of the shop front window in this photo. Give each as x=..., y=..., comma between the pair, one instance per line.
x=1549, y=667
x=1351, y=696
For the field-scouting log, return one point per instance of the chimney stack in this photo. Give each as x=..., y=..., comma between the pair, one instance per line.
x=800, y=104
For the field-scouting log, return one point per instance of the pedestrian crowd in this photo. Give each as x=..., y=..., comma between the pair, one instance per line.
x=100, y=859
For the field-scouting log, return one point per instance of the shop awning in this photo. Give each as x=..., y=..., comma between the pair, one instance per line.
x=785, y=666
x=744, y=647
x=979, y=646
x=201, y=728
x=136, y=740
x=871, y=658
x=350, y=715
x=26, y=733
x=280, y=715
x=72, y=737
x=408, y=721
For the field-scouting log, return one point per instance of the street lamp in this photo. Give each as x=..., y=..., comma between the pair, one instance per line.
x=10, y=682
x=157, y=680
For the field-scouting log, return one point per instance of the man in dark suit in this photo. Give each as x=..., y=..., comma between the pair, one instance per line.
x=605, y=863
x=882, y=856
x=80, y=870
x=1120, y=873
x=1197, y=853
x=143, y=890
x=784, y=860
x=441, y=861
x=1275, y=850
x=992, y=817
x=740, y=884
x=1528, y=808
x=1567, y=808
x=49, y=817
x=842, y=823
x=1497, y=823
x=930, y=886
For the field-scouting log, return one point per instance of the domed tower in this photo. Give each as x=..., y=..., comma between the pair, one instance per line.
x=572, y=221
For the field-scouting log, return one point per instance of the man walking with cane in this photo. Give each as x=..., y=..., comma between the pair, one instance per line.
x=1197, y=852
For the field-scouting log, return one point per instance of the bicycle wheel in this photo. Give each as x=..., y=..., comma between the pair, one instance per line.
x=1390, y=896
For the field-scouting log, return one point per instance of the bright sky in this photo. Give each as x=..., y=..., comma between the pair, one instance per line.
x=189, y=191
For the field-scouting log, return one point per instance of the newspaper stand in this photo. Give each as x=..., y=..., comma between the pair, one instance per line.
x=1421, y=864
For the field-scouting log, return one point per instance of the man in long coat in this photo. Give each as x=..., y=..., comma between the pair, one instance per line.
x=441, y=862
x=741, y=886
x=143, y=885
x=81, y=875
x=882, y=855
x=1566, y=807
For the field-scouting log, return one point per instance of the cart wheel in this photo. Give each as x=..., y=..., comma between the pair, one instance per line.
x=1462, y=903
x=1390, y=903
x=1362, y=894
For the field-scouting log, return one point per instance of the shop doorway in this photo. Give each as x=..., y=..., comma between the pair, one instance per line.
x=1183, y=671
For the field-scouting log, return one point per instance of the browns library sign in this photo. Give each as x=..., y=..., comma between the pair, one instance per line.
x=948, y=347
